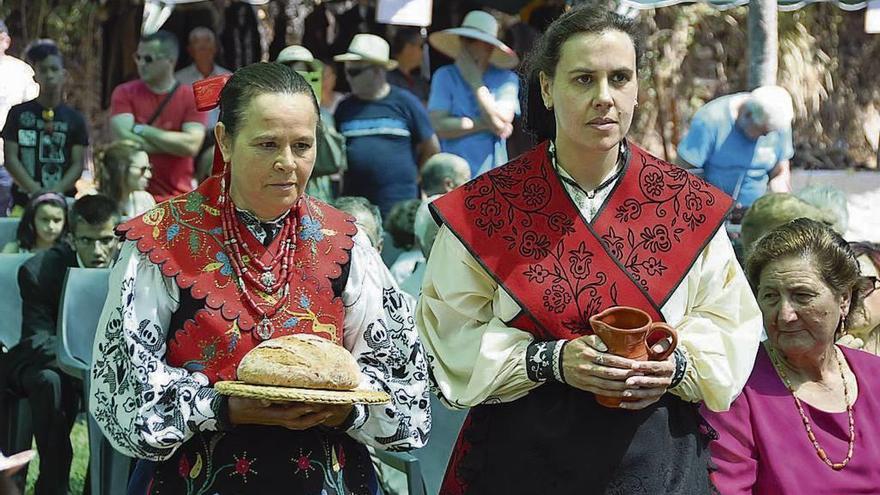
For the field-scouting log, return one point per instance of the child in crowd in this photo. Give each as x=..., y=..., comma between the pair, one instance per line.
x=125, y=172
x=43, y=224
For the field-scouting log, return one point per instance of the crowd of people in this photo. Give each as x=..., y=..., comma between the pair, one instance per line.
x=390, y=219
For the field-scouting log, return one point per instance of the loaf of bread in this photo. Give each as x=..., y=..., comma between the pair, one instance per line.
x=302, y=361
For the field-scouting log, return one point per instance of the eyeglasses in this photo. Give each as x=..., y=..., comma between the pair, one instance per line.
x=85, y=242
x=356, y=71
x=147, y=59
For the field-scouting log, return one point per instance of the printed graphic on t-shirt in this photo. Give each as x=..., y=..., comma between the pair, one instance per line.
x=43, y=143
x=28, y=119
x=27, y=138
x=52, y=147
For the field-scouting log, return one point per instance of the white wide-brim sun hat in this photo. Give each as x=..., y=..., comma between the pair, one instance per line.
x=295, y=53
x=476, y=25
x=368, y=48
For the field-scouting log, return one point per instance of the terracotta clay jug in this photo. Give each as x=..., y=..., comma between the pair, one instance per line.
x=630, y=333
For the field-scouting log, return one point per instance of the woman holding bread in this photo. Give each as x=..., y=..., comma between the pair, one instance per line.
x=246, y=258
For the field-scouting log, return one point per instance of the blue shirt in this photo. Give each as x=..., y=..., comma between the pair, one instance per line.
x=733, y=162
x=450, y=93
x=381, y=138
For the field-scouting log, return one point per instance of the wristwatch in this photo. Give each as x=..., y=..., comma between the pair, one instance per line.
x=138, y=129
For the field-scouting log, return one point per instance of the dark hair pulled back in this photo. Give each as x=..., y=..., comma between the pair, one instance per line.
x=589, y=18
x=253, y=80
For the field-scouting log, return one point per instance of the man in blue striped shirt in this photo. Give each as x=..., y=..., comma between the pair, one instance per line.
x=388, y=135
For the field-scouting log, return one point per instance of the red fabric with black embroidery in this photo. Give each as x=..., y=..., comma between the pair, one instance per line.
x=183, y=236
x=521, y=225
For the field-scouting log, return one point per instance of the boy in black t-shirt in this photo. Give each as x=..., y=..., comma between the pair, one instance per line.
x=45, y=140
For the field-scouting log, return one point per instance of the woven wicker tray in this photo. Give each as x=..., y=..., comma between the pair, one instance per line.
x=289, y=394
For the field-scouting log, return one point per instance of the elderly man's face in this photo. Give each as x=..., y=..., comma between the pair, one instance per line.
x=364, y=78
x=202, y=49
x=747, y=123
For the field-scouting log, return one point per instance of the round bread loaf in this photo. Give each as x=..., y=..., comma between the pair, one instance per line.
x=302, y=361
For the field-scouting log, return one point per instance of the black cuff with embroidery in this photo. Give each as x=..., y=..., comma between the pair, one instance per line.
x=221, y=410
x=681, y=364
x=544, y=360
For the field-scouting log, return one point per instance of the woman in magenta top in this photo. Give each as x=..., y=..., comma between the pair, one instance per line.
x=806, y=419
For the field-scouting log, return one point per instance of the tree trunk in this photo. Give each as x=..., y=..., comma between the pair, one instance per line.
x=763, y=43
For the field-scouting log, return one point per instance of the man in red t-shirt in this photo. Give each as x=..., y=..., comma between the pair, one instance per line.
x=171, y=135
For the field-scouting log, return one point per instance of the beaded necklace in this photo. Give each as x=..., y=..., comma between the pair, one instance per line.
x=837, y=466
x=591, y=194
x=263, y=280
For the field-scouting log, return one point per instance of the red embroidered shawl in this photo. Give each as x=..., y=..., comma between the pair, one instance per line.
x=183, y=237
x=524, y=229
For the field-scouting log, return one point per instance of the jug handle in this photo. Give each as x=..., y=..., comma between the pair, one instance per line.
x=666, y=332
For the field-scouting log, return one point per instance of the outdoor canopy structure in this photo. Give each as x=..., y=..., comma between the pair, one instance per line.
x=514, y=6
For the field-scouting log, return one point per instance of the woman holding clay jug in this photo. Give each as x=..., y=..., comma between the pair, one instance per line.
x=529, y=252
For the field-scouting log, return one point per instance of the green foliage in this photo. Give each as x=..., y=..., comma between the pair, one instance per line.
x=696, y=53
x=79, y=439
x=64, y=21
x=75, y=26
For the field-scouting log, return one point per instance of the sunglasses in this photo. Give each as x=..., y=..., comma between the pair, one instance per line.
x=356, y=71
x=147, y=59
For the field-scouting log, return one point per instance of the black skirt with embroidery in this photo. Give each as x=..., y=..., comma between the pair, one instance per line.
x=266, y=460
x=559, y=440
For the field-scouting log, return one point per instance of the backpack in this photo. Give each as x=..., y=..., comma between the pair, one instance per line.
x=331, y=157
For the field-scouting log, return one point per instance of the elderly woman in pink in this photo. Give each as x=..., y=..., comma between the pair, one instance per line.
x=806, y=419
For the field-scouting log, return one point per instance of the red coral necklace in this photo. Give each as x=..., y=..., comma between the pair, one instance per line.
x=275, y=290
x=837, y=466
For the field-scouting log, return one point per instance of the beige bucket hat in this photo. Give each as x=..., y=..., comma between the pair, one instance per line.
x=477, y=25
x=368, y=48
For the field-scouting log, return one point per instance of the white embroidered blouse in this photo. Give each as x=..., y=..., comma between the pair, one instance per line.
x=147, y=409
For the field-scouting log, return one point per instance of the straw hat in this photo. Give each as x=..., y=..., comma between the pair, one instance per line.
x=295, y=53
x=368, y=48
x=477, y=25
